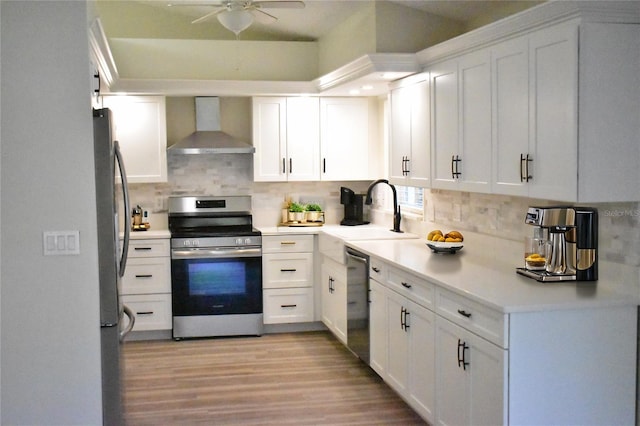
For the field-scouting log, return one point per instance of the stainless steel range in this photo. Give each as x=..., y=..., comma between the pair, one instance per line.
x=216, y=267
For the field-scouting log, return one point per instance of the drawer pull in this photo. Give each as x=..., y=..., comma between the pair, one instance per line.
x=145, y=313
x=288, y=306
x=144, y=276
x=288, y=270
x=142, y=248
x=407, y=285
x=287, y=243
x=464, y=313
x=376, y=270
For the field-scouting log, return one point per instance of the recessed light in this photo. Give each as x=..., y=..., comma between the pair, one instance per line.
x=367, y=87
x=354, y=92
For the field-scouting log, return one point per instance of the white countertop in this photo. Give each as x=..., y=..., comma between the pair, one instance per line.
x=485, y=271
x=361, y=232
x=149, y=234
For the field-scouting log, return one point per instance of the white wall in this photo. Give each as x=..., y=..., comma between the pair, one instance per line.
x=50, y=353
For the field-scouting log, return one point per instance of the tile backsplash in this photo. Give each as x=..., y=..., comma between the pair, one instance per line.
x=496, y=215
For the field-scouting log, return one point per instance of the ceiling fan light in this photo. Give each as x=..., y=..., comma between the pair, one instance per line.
x=236, y=21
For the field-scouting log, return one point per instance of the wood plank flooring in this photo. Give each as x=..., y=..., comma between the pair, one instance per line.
x=277, y=379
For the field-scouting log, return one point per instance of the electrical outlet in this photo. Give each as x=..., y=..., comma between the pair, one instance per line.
x=61, y=243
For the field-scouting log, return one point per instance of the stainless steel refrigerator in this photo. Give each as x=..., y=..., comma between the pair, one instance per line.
x=112, y=261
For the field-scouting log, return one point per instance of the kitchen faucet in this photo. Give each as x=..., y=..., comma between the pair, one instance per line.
x=396, y=207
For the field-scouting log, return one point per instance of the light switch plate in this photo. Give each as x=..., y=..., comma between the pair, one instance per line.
x=61, y=243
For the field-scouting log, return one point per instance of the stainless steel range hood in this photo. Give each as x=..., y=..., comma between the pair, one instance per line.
x=208, y=138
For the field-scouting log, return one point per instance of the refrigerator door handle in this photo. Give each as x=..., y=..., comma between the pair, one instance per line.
x=127, y=218
x=132, y=320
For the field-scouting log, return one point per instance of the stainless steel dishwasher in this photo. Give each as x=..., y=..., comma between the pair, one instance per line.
x=358, y=303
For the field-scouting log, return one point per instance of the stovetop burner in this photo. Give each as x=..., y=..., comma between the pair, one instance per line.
x=196, y=217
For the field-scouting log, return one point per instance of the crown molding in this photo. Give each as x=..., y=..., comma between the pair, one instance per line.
x=99, y=46
x=546, y=14
x=376, y=63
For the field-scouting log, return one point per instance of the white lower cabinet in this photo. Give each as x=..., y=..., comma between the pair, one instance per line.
x=457, y=361
x=287, y=278
x=470, y=376
x=334, y=298
x=402, y=346
x=146, y=285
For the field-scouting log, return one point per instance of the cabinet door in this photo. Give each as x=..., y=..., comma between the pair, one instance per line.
x=420, y=161
x=422, y=362
x=398, y=341
x=269, y=139
x=139, y=124
x=474, y=77
x=452, y=392
x=471, y=378
x=553, y=59
x=510, y=99
x=444, y=108
x=303, y=139
x=400, y=133
x=334, y=300
x=378, y=328
x=344, y=138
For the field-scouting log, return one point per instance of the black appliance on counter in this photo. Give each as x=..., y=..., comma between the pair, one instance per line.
x=216, y=267
x=355, y=210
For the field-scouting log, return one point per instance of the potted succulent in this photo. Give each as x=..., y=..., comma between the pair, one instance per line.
x=314, y=212
x=296, y=212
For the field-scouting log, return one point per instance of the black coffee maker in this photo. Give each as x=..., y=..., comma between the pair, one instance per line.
x=355, y=210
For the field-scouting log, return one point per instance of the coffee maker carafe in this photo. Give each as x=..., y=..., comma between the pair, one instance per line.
x=572, y=242
x=355, y=210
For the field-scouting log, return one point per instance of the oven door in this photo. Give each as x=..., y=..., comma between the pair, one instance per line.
x=216, y=281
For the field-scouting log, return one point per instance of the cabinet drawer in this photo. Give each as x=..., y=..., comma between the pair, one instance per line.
x=414, y=288
x=147, y=275
x=153, y=311
x=287, y=243
x=377, y=270
x=149, y=248
x=288, y=305
x=283, y=270
x=475, y=317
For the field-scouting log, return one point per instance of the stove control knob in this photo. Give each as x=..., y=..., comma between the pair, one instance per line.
x=247, y=241
x=238, y=241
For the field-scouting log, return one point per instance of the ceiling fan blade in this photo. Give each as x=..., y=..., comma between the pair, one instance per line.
x=179, y=3
x=209, y=15
x=279, y=4
x=263, y=16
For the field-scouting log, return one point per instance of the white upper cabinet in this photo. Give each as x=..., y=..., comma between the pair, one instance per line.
x=562, y=127
x=286, y=137
x=345, y=137
x=270, y=139
x=303, y=138
x=461, y=123
x=139, y=124
x=562, y=100
x=313, y=139
x=510, y=86
x=536, y=115
x=410, y=155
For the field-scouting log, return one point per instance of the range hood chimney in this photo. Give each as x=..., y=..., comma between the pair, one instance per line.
x=208, y=139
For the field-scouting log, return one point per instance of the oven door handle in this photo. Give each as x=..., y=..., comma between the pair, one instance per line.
x=210, y=253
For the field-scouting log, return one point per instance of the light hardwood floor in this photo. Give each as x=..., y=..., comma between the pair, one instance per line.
x=277, y=379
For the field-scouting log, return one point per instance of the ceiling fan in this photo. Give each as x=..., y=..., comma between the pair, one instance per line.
x=238, y=15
